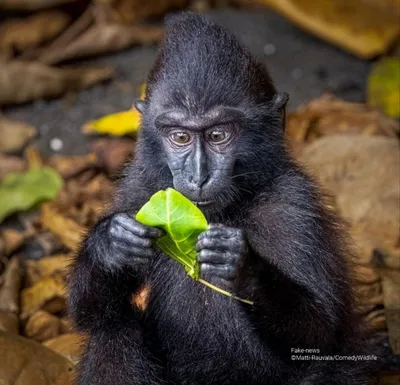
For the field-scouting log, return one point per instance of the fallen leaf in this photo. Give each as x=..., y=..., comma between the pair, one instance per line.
x=55, y=266
x=365, y=274
x=27, y=33
x=118, y=124
x=328, y=115
x=68, y=345
x=10, y=286
x=102, y=38
x=42, y=326
x=362, y=174
x=113, y=153
x=70, y=166
x=31, y=5
x=391, y=297
x=20, y=192
x=376, y=320
x=384, y=86
x=11, y=240
x=14, y=135
x=22, y=82
x=100, y=187
x=9, y=322
x=11, y=164
x=389, y=379
x=27, y=362
x=48, y=294
x=66, y=325
x=134, y=10
x=66, y=229
x=360, y=27
x=365, y=292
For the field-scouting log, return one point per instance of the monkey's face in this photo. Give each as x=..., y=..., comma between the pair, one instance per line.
x=200, y=151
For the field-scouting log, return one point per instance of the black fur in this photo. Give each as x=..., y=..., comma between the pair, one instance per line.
x=295, y=269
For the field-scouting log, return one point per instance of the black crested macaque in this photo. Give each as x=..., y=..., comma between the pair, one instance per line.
x=213, y=128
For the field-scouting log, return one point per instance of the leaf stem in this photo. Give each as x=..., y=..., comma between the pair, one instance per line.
x=211, y=286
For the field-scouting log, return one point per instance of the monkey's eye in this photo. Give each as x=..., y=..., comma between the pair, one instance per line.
x=217, y=136
x=180, y=137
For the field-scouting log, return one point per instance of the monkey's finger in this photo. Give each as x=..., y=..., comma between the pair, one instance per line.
x=131, y=239
x=222, y=271
x=218, y=258
x=130, y=224
x=221, y=231
x=220, y=244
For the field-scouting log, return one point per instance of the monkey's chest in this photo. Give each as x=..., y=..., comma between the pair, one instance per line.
x=204, y=335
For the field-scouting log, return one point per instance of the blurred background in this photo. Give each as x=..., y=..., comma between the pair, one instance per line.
x=69, y=73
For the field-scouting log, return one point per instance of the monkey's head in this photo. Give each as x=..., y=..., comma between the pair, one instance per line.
x=212, y=119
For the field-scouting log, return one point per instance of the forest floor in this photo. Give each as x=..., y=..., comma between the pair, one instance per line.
x=300, y=64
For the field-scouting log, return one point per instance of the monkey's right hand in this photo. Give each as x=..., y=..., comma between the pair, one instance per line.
x=128, y=242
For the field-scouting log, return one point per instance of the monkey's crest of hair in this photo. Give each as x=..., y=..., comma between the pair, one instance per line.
x=204, y=66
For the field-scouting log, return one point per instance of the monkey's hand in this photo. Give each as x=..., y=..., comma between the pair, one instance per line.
x=221, y=252
x=127, y=242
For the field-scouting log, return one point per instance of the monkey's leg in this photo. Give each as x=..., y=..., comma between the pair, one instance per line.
x=118, y=357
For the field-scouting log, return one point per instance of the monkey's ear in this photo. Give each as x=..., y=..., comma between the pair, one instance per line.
x=140, y=105
x=280, y=100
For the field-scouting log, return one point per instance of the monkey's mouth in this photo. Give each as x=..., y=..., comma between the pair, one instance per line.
x=202, y=203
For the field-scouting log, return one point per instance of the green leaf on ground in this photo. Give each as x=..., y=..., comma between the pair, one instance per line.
x=22, y=191
x=384, y=86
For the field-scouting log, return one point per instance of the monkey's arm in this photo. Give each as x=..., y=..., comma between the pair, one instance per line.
x=109, y=269
x=295, y=270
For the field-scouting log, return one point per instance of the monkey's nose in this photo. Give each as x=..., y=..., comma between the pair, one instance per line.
x=197, y=181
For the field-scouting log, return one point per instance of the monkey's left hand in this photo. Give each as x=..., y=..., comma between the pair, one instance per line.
x=221, y=252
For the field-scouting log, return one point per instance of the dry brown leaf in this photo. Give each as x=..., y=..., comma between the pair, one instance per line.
x=11, y=240
x=113, y=153
x=42, y=326
x=9, y=322
x=48, y=294
x=362, y=173
x=24, y=362
x=10, y=163
x=44, y=243
x=376, y=320
x=357, y=26
x=365, y=292
x=68, y=345
x=99, y=187
x=25, y=81
x=66, y=325
x=391, y=293
x=10, y=286
x=389, y=379
x=28, y=33
x=330, y=116
x=31, y=5
x=14, y=135
x=55, y=266
x=103, y=38
x=365, y=274
x=66, y=229
x=70, y=166
x=134, y=10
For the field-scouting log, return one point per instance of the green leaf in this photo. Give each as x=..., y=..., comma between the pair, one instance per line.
x=384, y=86
x=182, y=222
x=22, y=191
